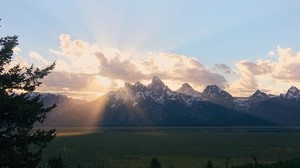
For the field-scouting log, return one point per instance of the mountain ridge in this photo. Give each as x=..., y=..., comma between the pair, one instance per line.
x=156, y=104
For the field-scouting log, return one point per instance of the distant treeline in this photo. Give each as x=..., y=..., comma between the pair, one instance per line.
x=58, y=162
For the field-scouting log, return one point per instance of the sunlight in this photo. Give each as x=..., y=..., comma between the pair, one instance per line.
x=95, y=115
x=76, y=131
x=103, y=80
x=164, y=61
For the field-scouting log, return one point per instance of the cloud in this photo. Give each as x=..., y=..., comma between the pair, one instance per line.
x=17, y=59
x=258, y=68
x=271, y=53
x=76, y=48
x=223, y=68
x=288, y=65
x=118, y=69
x=79, y=64
x=168, y=66
x=17, y=50
x=84, y=58
x=39, y=58
x=83, y=68
x=77, y=56
x=279, y=72
x=67, y=81
x=182, y=68
x=285, y=68
x=74, y=84
x=244, y=86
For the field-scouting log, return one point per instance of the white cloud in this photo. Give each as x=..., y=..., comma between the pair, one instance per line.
x=39, y=58
x=258, y=68
x=83, y=58
x=88, y=68
x=280, y=72
x=271, y=53
x=168, y=66
x=17, y=50
x=84, y=67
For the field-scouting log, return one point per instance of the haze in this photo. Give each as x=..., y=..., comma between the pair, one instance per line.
x=240, y=46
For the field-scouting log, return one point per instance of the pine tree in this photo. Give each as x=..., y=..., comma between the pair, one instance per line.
x=21, y=144
x=154, y=163
x=209, y=164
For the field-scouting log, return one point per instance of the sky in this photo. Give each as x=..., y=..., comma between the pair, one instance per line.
x=238, y=45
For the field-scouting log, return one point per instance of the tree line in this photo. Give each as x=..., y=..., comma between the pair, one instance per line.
x=58, y=162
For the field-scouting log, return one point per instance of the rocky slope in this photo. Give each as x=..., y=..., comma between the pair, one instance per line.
x=156, y=104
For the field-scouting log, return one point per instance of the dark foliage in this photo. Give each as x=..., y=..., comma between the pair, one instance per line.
x=20, y=144
x=209, y=164
x=154, y=163
x=56, y=162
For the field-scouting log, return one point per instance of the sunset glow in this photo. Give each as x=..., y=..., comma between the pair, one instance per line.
x=98, y=46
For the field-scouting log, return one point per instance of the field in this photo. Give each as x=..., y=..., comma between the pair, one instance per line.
x=182, y=147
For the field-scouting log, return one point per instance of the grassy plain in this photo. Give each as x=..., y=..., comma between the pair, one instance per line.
x=182, y=147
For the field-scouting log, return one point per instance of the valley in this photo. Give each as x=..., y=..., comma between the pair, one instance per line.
x=179, y=147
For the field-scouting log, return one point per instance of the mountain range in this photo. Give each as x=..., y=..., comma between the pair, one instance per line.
x=157, y=105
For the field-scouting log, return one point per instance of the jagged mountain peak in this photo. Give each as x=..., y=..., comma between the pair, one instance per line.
x=156, y=81
x=259, y=93
x=293, y=89
x=217, y=95
x=185, y=87
x=258, y=96
x=188, y=90
x=52, y=96
x=137, y=84
x=156, y=104
x=213, y=90
x=128, y=85
x=213, y=87
x=293, y=93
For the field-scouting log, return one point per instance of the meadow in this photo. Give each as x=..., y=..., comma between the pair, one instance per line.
x=181, y=147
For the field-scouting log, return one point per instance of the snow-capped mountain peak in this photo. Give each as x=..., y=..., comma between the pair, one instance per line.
x=211, y=90
x=258, y=93
x=156, y=82
x=188, y=90
x=217, y=95
x=138, y=92
x=138, y=84
x=258, y=96
x=185, y=87
x=293, y=93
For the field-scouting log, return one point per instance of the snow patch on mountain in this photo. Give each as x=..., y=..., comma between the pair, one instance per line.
x=293, y=93
x=188, y=90
x=159, y=93
x=215, y=94
x=258, y=96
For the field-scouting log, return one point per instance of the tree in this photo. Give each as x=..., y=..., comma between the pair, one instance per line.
x=21, y=144
x=209, y=164
x=227, y=162
x=154, y=163
x=255, y=160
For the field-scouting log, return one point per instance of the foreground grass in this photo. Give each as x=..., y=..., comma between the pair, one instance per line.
x=128, y=148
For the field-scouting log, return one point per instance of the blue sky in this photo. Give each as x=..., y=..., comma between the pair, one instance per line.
x=213, y=32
